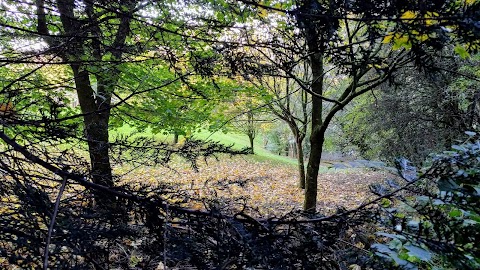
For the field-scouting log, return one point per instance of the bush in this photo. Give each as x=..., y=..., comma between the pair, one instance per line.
x=435, y=224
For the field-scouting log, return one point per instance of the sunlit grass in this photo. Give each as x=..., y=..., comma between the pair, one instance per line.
x=238, y=141
x=241, y=141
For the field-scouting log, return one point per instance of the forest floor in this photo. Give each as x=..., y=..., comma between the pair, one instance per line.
x=267, y=189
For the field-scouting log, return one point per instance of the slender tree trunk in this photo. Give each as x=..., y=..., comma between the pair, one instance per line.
x=299, y=136
x=311, y=180
x=175, y=137
x=292, y=149
x=317, y=133
x=251, y=137
x=315, y=44
x=251, y=129
x=95, y=131
x=301, y=163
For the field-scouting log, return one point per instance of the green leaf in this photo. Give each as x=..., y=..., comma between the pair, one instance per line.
x=461, y=51
x=455, y=213
x=402, y=41
x=385, y=202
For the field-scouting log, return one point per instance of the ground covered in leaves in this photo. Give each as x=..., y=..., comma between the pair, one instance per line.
x=265, y=189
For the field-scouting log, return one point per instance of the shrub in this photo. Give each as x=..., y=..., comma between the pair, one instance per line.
x=435, y=224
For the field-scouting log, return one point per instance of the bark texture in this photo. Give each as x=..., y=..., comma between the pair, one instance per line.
x=317, y=136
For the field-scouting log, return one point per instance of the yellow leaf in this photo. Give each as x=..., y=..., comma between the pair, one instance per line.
x=428, y=16
x=387, y=38
x=422, y=38
x=429, y=22
x=263, y=13
x=408, y=15
x=470, y=2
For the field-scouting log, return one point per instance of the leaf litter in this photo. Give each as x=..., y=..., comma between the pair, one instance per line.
x=260, y=188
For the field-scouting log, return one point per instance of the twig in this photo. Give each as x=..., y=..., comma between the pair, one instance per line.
x=52, y=222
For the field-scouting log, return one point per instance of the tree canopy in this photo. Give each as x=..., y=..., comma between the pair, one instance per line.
x=73, y=73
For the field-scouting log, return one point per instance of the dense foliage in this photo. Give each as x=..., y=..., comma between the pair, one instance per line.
x=74, y=73
x=436, y=223
x=416, y=113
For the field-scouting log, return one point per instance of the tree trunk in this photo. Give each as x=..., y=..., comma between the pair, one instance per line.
x=317, y=134
x=95, y=131
x=292, y=149
x=175, y=137
x=315, y=40
x=251, y=129
x=95, y=105
x=311, y=180
x=251, y=137
x=301, y=163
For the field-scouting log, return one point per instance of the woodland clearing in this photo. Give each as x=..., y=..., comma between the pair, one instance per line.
x=262, y=188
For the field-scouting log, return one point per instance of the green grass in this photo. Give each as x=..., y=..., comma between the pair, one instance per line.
x=262, y=155
x=126, y=129
x=238, y=141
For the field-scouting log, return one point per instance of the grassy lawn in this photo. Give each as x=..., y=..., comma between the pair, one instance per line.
x=238, y=141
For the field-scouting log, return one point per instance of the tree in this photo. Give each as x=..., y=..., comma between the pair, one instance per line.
x=245, y=113
x=169, y=103
x=88, y=47
x=57, y=53
x=366, y=42
x=96, y=40
x=288, y=102
x=417, y=113
x=245, y=122
x=93, y=55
